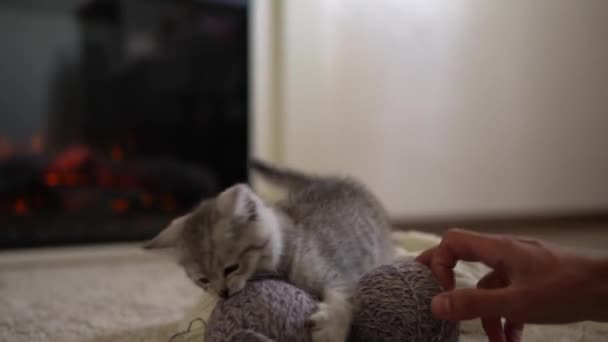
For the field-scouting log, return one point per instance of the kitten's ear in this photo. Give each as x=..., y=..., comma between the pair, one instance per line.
x=168, y=237
x=239, y=202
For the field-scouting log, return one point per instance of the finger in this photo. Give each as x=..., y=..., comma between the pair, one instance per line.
x=493, y=280
x=464, y=304
x=492, y=326
x=443, y=269
x=444, y=277
x=471, y=246
x=493, y=329
x=513, y=331
x=443, y=272
x=462, y=245
x=426, y=256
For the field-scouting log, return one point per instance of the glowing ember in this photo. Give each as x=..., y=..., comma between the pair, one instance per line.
x=72, y=158
x=117, y=154
x=51, y=179
x=119, y=205
x=71, y=179
x=168, y=203
x=37, y=144
x=21, y=207
x=6, y=149
x=105, y=178
x=146, y=199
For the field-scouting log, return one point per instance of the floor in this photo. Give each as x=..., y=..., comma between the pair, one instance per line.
x=91, y=294
x=119, y=293
x=583, y=233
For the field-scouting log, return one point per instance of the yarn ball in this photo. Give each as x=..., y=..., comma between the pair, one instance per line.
x=266, y=310
x=392, y=303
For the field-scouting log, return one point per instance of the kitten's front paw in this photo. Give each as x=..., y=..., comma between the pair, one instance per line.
x=324, y=328
x=328, y=334
x=319, y=318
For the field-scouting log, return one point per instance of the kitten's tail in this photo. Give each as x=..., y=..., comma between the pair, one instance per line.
x=283, y=177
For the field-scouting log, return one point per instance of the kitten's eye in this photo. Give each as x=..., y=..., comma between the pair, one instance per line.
x=230, y=269
x=203, y=281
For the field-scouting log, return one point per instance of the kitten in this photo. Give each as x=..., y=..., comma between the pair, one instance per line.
x=323, y=237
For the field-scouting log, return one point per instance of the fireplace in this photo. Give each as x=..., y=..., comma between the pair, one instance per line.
x=148, y=119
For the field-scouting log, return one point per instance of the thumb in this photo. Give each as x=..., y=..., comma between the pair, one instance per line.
x=464, y=304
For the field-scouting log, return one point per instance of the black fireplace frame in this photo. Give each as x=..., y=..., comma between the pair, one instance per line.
x=167, y=129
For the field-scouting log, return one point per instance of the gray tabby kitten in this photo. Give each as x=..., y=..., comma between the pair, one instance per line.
x=323, y=237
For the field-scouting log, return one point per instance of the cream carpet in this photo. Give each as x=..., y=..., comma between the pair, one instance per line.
x=119, y=293
x=91, y=294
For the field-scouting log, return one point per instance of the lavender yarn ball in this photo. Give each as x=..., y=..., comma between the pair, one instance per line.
x=394, y=304
x=266, y=310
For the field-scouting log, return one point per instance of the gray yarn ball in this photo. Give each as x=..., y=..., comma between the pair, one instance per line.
x=264, y=311
x=392, y=304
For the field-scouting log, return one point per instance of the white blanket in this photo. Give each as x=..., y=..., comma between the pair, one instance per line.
x=120, y=294
x=467, y=274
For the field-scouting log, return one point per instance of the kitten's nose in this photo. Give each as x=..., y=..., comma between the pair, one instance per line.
x=224, y=293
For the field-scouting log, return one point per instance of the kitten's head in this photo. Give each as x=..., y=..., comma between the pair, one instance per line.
x=224, y=240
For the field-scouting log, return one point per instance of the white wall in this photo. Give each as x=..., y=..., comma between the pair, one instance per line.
x=451, y=108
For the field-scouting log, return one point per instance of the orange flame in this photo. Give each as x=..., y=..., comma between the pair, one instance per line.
x=119, y=205
x=51, y=179
x=117, y=154
x=21, y=207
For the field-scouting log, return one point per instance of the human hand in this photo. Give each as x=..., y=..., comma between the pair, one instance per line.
x=530, y=282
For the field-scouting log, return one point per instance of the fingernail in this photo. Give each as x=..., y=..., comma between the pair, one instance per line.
x=441, y=306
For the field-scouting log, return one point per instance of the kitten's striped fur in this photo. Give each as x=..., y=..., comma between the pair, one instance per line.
x=322, y=237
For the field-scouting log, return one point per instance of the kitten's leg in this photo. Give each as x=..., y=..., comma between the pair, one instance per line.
x=331, y=321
